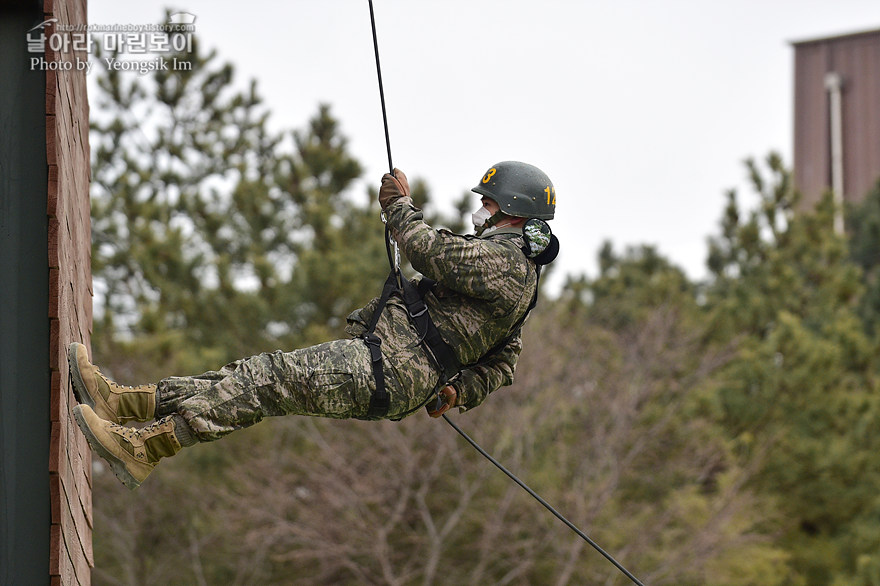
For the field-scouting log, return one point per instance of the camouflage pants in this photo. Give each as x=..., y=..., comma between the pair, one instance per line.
x=334, y=379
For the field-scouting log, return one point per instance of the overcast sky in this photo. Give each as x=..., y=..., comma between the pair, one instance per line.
x=641, y=112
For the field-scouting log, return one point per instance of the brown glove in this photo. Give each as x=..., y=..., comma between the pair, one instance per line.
x=393, y=188
x=446, y=399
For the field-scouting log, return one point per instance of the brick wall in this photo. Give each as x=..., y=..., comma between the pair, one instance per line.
x=70, y=303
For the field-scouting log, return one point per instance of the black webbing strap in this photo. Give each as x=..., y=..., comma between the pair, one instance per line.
x=414, y=299
x=379, y=402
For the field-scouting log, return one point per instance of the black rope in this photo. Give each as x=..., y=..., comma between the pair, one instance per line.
x=392, y=257
x=571, y=525
x=381, y=90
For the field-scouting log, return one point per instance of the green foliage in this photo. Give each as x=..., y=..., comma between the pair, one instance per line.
x=629, y=288
x=863, y=224
x=633, y=377
x=800, y=399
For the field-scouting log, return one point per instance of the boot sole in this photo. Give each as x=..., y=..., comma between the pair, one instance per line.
x=79, y=386
x=117, y=465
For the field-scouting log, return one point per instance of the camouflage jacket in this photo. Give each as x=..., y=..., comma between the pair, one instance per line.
x=484, y=287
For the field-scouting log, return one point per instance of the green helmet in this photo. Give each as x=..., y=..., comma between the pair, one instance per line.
x=520, y=189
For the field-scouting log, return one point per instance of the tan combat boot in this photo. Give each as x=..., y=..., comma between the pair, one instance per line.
x=109, y=400
x=133, y=453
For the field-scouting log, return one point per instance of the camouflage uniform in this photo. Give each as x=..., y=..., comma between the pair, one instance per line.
x=484, y=286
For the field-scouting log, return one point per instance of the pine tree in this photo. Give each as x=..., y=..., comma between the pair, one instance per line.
x=800, y=400
x=863, y=227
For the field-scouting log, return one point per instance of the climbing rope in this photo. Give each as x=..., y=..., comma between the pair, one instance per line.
x=381, y=89
x=538, y=498
x=394, y=261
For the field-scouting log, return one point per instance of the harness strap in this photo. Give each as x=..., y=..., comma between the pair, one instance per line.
x=442, y=353
x=379, y=401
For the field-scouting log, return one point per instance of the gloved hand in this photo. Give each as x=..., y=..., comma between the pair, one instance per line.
x=445, y=401
x=393, y=188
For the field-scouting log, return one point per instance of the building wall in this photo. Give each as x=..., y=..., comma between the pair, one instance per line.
x=856, y=58
x=70, y=302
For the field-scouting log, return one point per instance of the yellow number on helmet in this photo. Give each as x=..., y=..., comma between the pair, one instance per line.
x=489, y=175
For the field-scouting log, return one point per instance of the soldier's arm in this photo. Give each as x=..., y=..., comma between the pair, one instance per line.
x=475, y=383
x=474, y=267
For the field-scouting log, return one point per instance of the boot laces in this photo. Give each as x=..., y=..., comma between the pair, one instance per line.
x=152, y=427
x=129, y=433
x=134, y=433
x=110, y=381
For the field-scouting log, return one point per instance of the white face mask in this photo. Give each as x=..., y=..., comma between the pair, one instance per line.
x=480, y=216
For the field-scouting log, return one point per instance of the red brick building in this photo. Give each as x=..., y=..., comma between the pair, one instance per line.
x=837, y=115
x=45, y=298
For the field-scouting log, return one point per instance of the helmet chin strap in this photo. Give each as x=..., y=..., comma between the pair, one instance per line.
x=494, y=219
